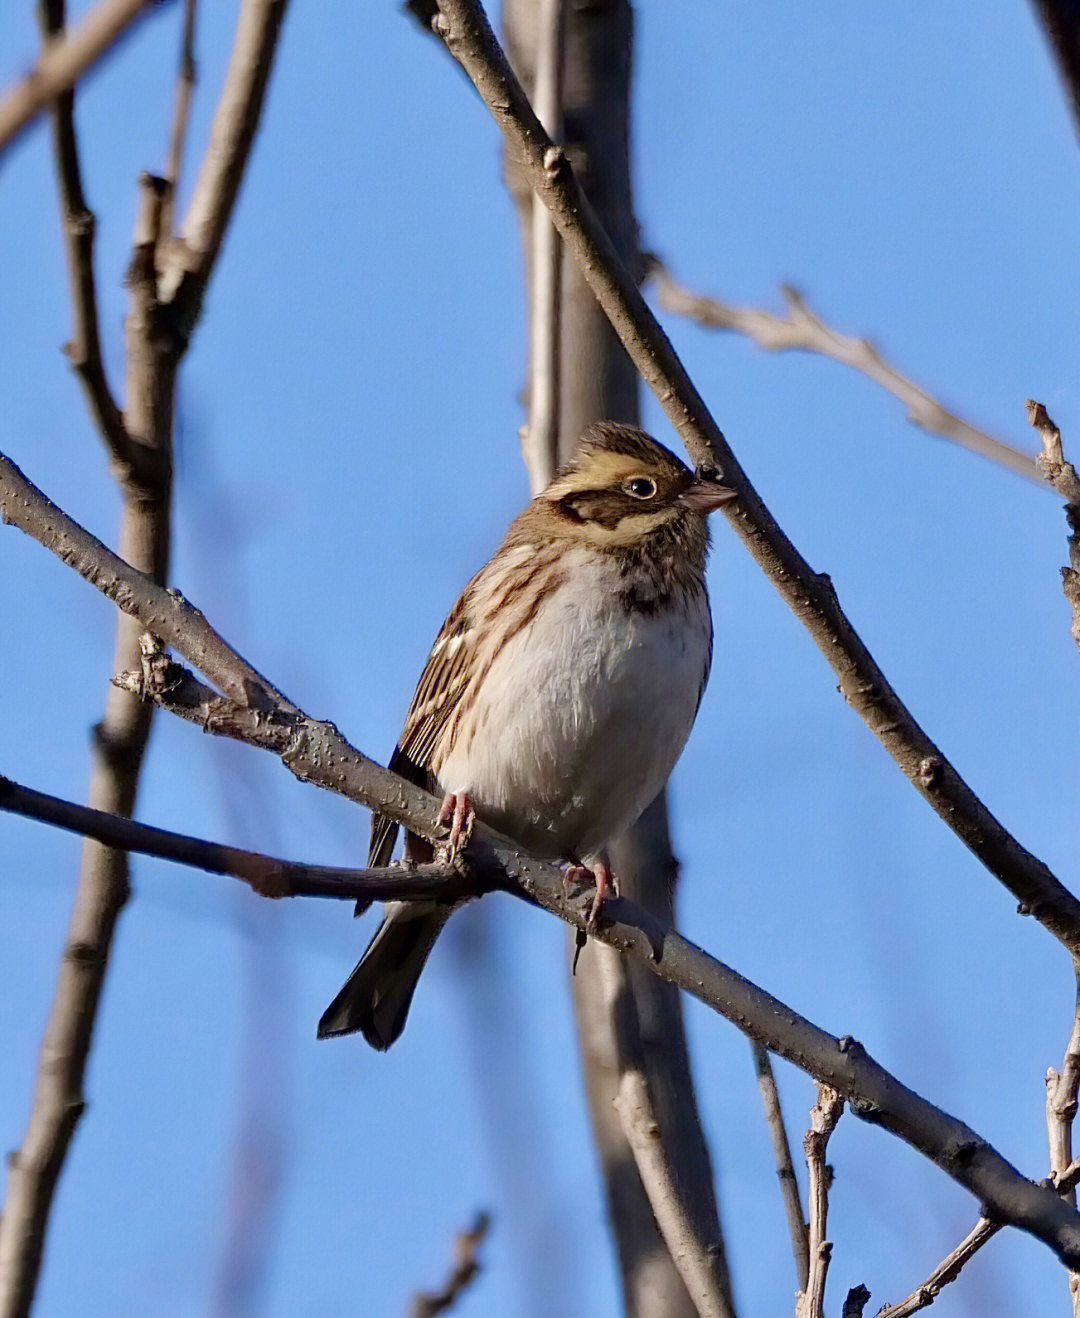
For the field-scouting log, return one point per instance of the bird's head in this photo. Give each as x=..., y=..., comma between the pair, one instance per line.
x=622, y=487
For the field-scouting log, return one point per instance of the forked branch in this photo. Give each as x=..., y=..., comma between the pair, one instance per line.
x=465, y=29
x=316, y=752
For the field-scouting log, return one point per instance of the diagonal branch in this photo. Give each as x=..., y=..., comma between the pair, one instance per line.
x=464, y=28
x=467, y=1265
x=185, y=90
x=802, y=329
x=1061, y=19
x=265, y=875
x=63, y=62
x=316, y=752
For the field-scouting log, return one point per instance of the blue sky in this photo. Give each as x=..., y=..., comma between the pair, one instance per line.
x=348, y=455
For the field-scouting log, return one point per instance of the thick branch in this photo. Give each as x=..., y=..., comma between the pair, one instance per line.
x=316, y=752
x=802, y=329
x=62, y=63
x=1061, y=19
x=462, y=25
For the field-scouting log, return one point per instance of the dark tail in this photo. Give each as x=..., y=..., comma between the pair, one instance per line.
x=375, y=998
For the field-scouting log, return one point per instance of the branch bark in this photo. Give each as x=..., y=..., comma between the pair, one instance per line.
x=824, y=1116
x=785, y=1167
x=462, y=25
x=316, y=752
x=1061, y=475
x=1061, y=19
x=154, y=349
x=579, y=373
x=803, y=330
x=63, y=62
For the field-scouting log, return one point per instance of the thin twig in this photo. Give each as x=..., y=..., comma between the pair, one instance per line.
x=84, y=348
x=1062, y=476
x=190, y=260
x=316, y=752
x=465, y=29
x=185, y=90
x=63, y=62
x=466, y=1267
x=699, y=1263
x=804, y=330
x=785, y=1167
x=824, y=1115
x=946, y=1271
x=265, y=875
x=1062, y=1088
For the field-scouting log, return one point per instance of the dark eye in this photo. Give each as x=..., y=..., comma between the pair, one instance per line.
x=640, y=487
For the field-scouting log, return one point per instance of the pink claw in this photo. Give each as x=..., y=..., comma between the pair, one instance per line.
x=600, y=875
x=457, y=811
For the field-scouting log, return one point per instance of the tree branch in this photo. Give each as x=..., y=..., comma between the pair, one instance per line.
x=1062, y=476
x=427, y=1304
x=63, y=62
x=700, y=1263
x=84, y=348
x=824, y=1116
x=265, y=875
x=316, y=752
x=946, y=1271
x=185, y=90
x=462, y=25
x=1061, y=19
x=190, y=261
x=785, y=1167
x=802, y=329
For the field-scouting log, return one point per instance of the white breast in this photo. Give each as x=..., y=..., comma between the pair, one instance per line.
x=582, y=714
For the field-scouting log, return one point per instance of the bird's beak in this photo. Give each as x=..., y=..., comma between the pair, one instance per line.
x=707, y=492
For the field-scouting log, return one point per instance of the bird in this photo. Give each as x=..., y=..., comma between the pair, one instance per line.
x=558, y=694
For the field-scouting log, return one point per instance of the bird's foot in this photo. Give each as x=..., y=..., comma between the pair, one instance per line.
x=457, y=811
x=600, y=875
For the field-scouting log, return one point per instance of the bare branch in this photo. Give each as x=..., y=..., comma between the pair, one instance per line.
x=185, y=90
x=265, y=875
x=1061, y=19
x=190, y=261
x=699, y=1262
x=1062, y=1088
x=464, y=28
x=946, y=1271
x=464, y=1272
x=84, y=348
x=316, y=752
x=824, y=1115
x=1062, y=476
x=63, y=62
x=545, y=331
x=785, y=1167
x=802, y=329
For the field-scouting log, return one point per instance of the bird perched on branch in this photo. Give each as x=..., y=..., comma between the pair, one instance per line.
x=560, y=691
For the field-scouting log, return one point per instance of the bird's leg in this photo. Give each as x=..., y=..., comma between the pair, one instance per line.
x=457, y=811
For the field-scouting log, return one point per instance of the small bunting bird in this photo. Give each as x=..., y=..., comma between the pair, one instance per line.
x=560, y=691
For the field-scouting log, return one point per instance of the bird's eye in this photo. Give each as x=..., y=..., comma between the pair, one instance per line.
x=640, y=487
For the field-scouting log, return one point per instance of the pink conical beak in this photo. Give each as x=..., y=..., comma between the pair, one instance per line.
x=707, y=492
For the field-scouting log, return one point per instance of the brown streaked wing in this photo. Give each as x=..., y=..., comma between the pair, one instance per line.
x=444, y=679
